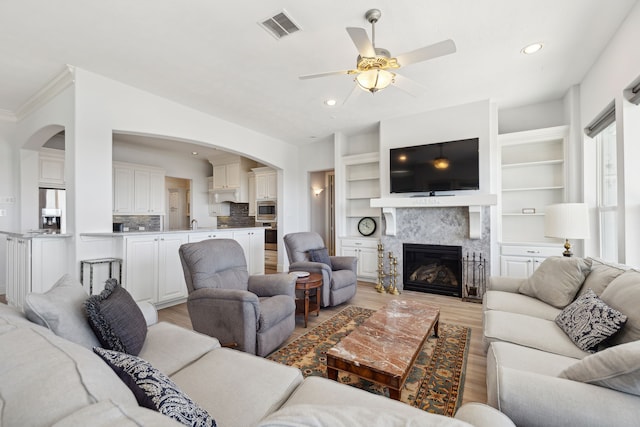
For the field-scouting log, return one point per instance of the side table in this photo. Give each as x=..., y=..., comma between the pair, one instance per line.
x=305, y=304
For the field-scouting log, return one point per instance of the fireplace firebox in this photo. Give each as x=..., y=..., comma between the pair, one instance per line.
x=433, y=269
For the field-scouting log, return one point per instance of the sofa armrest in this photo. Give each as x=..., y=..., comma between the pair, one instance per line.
x=505, y=284
x=344, y=263
x=149, y=312
x=537, y=400
x=273, y=284
x=311, y=267
x=481, y=415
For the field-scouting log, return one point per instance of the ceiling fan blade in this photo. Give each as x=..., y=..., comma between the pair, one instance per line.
x=442, y=48
x=362, y=42
x=330, y=73
x=353, y=94
x=409, y=86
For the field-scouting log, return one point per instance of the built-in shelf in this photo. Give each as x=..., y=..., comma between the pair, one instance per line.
x=530, y=164
x=557, y=187
x=521, y=214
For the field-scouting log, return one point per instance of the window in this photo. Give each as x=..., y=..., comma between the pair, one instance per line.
x=607, y=192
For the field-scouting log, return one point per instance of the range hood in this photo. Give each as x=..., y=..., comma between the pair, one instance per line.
x=231, y=195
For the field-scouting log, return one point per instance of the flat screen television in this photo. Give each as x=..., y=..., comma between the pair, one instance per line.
x=444, y=166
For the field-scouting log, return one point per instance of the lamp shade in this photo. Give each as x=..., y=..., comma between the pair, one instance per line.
x=567, y=221
x=374, y=80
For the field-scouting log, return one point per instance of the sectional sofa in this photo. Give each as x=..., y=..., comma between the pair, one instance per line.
x=48, y=376
x=556, y=354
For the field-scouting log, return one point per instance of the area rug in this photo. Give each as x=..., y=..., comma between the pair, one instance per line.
x=434, y=384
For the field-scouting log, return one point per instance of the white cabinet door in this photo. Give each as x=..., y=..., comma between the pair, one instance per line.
x=272, y=186
x=18, y=272
x=219, y=177
x=48, y=262
x=252, y=242
x=266, y=186
x=233, y=175
x=171, y=284
x=205, y=235
x=252, y=194
x=51, y=171
x=122, y=190
x=141, y=267
x=141, y=179
x=516, y=266
x=156, y=192
x=368, y=263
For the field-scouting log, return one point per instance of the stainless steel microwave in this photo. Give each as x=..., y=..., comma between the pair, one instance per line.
x=266, y=210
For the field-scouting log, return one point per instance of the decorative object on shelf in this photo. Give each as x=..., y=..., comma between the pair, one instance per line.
x=392, y=274
x=567, y=221
x=474, y=272
x=367, y=226
x=528, y=211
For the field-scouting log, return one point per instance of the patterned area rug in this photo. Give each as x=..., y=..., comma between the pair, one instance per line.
x=434, y=384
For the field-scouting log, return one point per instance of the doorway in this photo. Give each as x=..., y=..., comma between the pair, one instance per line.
x=321, y=210
x=178, y=203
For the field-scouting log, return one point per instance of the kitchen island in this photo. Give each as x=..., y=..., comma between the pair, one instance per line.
x=151, y=267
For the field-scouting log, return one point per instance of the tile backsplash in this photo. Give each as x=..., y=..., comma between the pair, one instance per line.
x=134, y=222
x=238, y=217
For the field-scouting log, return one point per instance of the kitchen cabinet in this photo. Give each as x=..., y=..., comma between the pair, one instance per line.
x=153, y=270
x=252, y=194
x=522, y=261
x=138, y=189
x=226, y=177
x=266, y=183
x=366, y=251
x=205, y=235
x=33, y=265
x=51, y=169
x=252, y=242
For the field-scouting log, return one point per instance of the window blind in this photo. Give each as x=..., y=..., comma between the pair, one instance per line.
x=603, y=120
x=632, y=93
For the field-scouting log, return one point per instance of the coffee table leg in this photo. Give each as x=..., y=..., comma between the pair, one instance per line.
x=394, y=394
x=306, y=306
x=332, y=373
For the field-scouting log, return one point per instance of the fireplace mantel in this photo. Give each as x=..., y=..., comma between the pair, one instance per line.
x=473, y=202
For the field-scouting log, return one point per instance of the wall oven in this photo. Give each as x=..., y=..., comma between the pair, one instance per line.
x=266, y=210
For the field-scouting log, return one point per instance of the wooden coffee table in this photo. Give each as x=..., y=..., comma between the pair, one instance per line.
x=384, y=348
x=305, y=305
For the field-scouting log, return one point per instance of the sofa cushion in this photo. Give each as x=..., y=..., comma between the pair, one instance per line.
x=154, y=390
x=45, y=378
x=602, y=273
x=260, y=386
x=528, y=331
x=616, y=367
x=519, y=303
x=320, y=255
x=61, y=309
x=109, y=414
x=342, y=279
x=557, y=280
x=116, y=319
x=588, y=321
x=623, y=294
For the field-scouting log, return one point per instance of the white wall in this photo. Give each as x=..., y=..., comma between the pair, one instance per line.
x=534, y=116
x=8, y=192
x=616, y=68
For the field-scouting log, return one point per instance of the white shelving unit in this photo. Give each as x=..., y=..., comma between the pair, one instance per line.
x=362, y=183
x=533, y=175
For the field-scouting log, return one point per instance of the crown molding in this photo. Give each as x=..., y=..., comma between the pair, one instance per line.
x=7, y=116
x=59, y=83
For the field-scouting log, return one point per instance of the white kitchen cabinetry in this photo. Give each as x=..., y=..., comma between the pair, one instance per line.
x=226, y=177
x=138, y=189
x=522, y=261
x=266, y=183
x=366, y=250
x=51, y=168
x=33, y=265
x=252, y=242
x=252, y=194
x=199, y=236
x=153, y=270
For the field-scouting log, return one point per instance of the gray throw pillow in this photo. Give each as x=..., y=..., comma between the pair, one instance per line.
x=557, y=280
x=61, y=309
x=617, y=368
x=588, y=321
x=602, y=273
x=116, y=319
x=154, y=390
x=320, y=255
x=623, y=294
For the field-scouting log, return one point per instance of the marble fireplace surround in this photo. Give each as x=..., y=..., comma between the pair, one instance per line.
x=438, y=225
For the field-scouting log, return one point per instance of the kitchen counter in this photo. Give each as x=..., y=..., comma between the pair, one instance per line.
x=35, y=234
x=146, y=232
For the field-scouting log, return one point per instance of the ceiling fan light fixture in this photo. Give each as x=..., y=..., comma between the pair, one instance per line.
x=374, y=80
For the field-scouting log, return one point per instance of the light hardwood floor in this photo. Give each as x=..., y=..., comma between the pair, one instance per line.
x=452, y=310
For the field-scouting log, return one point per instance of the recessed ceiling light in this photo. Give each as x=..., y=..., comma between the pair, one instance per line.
x=330, y=102
x=532, y=48
x=195, y=153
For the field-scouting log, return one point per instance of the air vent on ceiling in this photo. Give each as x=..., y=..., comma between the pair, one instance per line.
x=279, y=25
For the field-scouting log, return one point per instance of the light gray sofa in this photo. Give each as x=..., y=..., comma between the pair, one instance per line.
x=537, y=375
x=47, y=380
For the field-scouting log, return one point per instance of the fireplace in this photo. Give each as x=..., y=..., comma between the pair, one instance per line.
x=433, y=269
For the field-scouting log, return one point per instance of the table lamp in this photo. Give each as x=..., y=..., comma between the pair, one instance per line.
x=567, y=221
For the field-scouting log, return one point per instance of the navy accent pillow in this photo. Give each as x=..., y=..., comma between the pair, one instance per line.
x=154, y=390
x=320, y=255
x=588, y=321
x=116, y=319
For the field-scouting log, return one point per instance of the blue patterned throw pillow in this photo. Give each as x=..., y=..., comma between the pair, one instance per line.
x=588, y=321
x=154, y=390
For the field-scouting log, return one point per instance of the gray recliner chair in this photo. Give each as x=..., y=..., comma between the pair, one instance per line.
x=339, y=279
x=255, y=314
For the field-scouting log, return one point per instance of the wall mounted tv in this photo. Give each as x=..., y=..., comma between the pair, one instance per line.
x=444, y=166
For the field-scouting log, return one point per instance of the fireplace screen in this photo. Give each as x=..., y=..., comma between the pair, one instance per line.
x=432, y=268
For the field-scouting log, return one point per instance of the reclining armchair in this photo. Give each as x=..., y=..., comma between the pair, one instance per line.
x=255, y=314
x=339, y=281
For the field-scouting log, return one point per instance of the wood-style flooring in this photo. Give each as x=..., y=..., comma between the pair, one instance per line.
x=452, y=310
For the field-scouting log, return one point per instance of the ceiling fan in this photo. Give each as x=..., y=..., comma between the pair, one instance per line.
x=375, y=66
